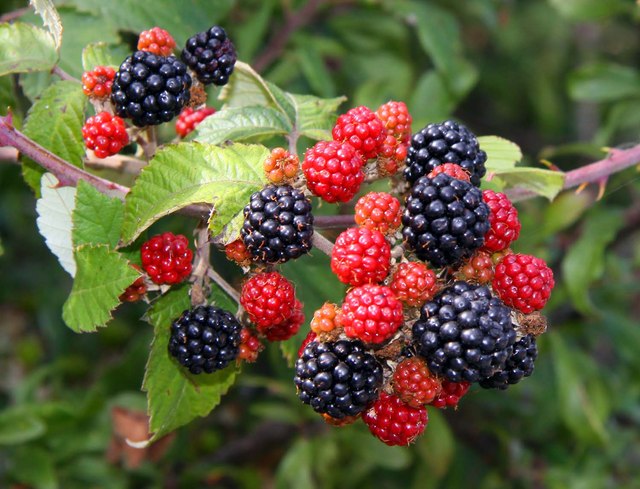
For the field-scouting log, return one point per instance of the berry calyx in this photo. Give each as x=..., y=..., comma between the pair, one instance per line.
x=414, y=384
x=105, y=134
x=371, y=313
x=167, y=258
x=451, y=169
x=477, y=269
x=269, y=299
x=361, y=128
x=237, y=251
x=413, y=283
x=395, y=422
x=326, y=319
x=450, y=394
x=523, y=282
x=289, y=327
x=333, y=170
x=97, y=82
x=250, y=346
x=361, y=256
x=156, y=41
x=378, y=211
x=189, y=118
x=211, y=55
x=281, y=166
x=505, y=225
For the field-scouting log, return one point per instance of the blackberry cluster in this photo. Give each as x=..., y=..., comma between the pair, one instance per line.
x=338, y=378
x=445, y=220
x=205, y=339
x=519, y=365
x=448, y=142
x=150, y=89
x=278, y=224
x=464, y=333
x=211, y=55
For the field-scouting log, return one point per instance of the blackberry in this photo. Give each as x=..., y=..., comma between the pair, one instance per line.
x=337, y=378
x=448, y=142
x=211, y=55
x=278, y=224
x=519, y=365
x=205, y=339
x=150, y=89
x=445, y=220
x=464, y=333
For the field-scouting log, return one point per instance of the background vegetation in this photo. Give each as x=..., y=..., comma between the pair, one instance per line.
x=559, y=77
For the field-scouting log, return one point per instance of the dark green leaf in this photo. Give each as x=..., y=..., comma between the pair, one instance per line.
x=97, y=218
x=18, y=426
x=590, y=9
x=34, y=466
x=604, y=82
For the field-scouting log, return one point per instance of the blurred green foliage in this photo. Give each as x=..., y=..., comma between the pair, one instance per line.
x=559, y=77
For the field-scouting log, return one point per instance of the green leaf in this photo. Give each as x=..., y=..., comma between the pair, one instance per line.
x=25, y=48
x=101, y=277
x=246, y=88
x=98, y=54
x=50, y=18
x=18, y=426
x=174, y=396
x=584, y=262
x=55, y=122
x=315, y=117
x=603, y=82
x=54, y=209
x=190, y=173
x=34, y=466
x=502, y=154
x=97, y=218
x=590, y=9
x=540, y=181
x=437, y=445
x=296, y=468
x=241, y=124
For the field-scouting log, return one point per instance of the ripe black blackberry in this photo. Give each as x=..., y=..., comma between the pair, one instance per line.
x=519, y=365
x=150, y=89
x=205, y=339
x=445, y=220
x=211, y=55
x=278, y=224
x=464, y=333
x=338, y=378
x=448, y=142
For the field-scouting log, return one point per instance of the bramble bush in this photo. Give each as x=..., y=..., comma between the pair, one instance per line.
x=382, y=274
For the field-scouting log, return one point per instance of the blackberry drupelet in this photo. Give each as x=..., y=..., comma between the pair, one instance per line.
x=211, y=55
x=150, y=89
x=445, y=220
x=205, y=339
x=464, y=333
x=519, y=365
x=278, y=224
x=338, y=378
x=448, y=142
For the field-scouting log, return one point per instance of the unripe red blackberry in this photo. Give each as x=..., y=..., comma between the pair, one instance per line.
x=414, y=384
x=505, y=226
x=326, y=319
x=448, y=142
x=378, y=211
x=211, y=55
x=361, y=256
x=105, y=134
x=281, y=166
x=445, y=220
x=237, y=251
x=371, y=313
x=523, y=282
x=167, y=258
x=333, y=170
x=337, y=378
x=477, y=269
x=97, y=82
x=396, y=119
x=361, y=128
x=450, y=394
x=278, y=224
x=413, y=283
x=391, y=157
x=519, y=365
x=289, y=327
x=136, y=290
x=464, y=333
x=395, y=422
x=250, y=346
x=451, y=169
x=269, y=299
x=190, y=118
x=156, y=41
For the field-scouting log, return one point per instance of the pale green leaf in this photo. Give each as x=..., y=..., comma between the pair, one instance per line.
x=590, y=9
x=174, y=396
x=99, y=54
x=18, y=426
x=97, y=218
x=315, y=117
x=190, y=173
x=50, y=18
x=34, y=466
x=25, y=48
x=247, y=88
x=546, y=183
x=502, y=154
x=101, y=277
x=241, y=124
x=603, y=82
x=54, y=209
x=55, y=122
